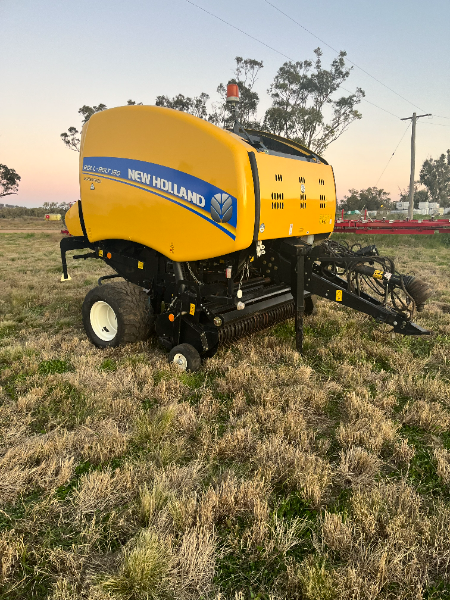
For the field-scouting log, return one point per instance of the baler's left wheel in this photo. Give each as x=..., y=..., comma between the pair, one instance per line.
x=185, y=357
x=116, y=314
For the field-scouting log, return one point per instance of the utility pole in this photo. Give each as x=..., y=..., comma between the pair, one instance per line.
x=413, y=160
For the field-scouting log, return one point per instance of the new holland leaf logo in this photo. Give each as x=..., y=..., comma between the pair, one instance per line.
x=221, y=208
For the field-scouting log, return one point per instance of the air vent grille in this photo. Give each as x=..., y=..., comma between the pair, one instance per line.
x=302, y=204
x=277, y=205
x=277, y=196
x=278, y=177
x=301, y=180
x=321, y=181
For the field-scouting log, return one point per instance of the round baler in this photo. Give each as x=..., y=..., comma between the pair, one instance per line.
x=216, y=234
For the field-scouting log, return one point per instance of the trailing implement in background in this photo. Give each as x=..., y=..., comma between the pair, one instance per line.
x=394, y=227
x=215, y=233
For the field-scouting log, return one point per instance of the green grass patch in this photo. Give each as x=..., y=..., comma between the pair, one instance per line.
x=422, y=471
x=108, y=365
x=54, y=366
x=63, y=405
x=437, y=591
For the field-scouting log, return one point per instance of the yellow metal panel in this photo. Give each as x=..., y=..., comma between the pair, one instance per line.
x=152, y=175
x=287, y=210
x=120, y=207
x=72, y=220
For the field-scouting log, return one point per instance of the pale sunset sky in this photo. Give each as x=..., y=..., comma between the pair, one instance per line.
x=58, y=56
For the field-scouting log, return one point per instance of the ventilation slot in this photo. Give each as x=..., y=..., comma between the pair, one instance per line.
x=278, y=177
x=302, y=196
x=277, y=205
x=322, y=197
x=321, y=181
x=301, y=180
x=302, y=204
x=277, y=196
x=323, y=205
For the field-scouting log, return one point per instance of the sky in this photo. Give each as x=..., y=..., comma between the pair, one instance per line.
x=57, y=56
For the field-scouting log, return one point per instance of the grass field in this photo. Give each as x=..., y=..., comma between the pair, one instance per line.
x=31, y=223
x=265, y=475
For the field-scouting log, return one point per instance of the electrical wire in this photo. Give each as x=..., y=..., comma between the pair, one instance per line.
x=240, y=30
x=277, y=51
x=334, y=49
x=376, y=105
x=438, y=124
x=401, y=139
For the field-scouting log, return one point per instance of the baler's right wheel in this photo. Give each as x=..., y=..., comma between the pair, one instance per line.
x=185, y=357
x=117, y=313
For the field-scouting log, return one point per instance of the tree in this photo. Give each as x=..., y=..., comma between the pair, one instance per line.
x=245, y=76
x=71, y=137
x=304, y=107
x=435, y=176
x=9, y=181
x=301, y=94
x=420, y=195
x=371, y=198
x=195, y=106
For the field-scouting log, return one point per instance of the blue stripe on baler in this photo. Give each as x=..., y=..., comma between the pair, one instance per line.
x=177, y=182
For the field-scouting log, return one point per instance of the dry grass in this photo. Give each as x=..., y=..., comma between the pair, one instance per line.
x=265, y=475
x=31, y=223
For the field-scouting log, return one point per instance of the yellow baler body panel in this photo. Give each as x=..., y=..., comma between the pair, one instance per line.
x=72, y=220
x=184, y=187
x=148, y=174
x=288, y=211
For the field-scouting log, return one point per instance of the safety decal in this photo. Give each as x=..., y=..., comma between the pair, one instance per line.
x=338, y=295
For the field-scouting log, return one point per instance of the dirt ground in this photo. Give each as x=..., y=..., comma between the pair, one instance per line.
x=266, y=474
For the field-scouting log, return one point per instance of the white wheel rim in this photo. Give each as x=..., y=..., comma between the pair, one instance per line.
x=103, y=321
x=180, y=361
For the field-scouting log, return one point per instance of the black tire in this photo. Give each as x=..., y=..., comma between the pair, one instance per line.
x=123, y=308
x=310, y=305
x=185, y=357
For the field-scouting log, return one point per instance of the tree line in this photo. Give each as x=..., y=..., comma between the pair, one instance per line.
x=305, y=106
x=15, y=212
x=433, y=186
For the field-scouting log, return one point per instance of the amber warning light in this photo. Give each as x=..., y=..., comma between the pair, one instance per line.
x=232, y=93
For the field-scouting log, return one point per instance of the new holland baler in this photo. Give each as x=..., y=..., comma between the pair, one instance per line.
x=215, y=234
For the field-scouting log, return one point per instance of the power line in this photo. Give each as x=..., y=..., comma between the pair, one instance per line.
x=237, y=29
x=438, y=124
x=275, y=50
x=401, y=139
x=334, y=49
x=369, y=102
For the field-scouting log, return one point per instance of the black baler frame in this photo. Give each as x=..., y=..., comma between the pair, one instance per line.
x=190, y=311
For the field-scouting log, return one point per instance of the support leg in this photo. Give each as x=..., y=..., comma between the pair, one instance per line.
x=299, y=301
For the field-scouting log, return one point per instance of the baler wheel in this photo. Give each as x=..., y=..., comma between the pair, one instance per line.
x=116, y=314
x=185, y=357
x=310, y=305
